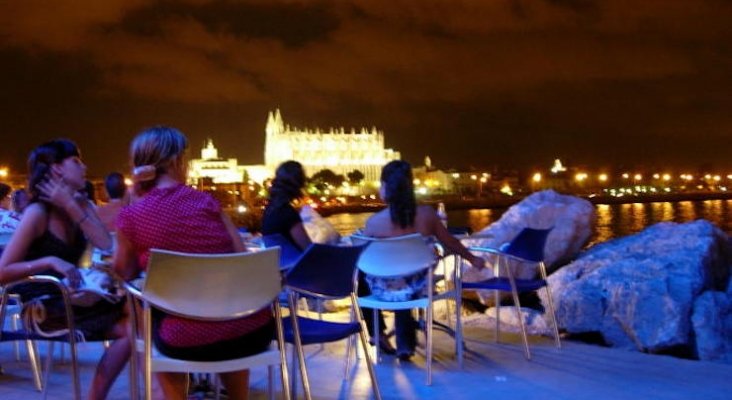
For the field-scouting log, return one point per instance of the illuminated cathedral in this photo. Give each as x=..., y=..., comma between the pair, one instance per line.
x=340, y=151
x=337, y=150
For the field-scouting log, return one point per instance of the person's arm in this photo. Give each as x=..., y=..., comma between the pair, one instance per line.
x=300, y=236
x=12, y=266
x=125, y=262
x=79, y=209
x=450, y=242
x=234, y=233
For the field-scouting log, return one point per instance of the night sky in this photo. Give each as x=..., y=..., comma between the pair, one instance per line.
x=482, y=83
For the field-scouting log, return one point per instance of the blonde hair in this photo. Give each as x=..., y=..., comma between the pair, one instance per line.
x=152, y=152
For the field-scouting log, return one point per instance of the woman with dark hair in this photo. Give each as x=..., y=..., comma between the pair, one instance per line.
x=280, y=215
x=402, y=217
x=50, y=240
x=169, y=215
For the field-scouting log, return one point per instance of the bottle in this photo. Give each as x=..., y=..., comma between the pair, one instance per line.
x=442, y=214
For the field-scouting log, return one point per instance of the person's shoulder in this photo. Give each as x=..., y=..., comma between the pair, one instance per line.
x=376, y=221
x=35, y=210
x=426, y=211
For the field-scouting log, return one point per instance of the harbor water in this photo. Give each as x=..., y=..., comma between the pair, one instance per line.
x=613, y=220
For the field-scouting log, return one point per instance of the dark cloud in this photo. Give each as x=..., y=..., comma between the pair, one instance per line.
x=593, y=81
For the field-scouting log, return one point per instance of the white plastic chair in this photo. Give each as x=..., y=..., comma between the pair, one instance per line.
x=211, y=287
x=402, y=256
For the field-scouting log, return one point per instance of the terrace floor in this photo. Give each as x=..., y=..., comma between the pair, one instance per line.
x=577, y=371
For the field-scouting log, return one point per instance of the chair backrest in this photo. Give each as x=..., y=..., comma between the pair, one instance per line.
x=395, y=256
x=212, y=286
x=325, y=270
x=288, y=251
x=529, y=244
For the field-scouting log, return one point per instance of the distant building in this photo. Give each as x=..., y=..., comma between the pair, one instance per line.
x=219, y=170
x=337, y=150
x=223, y=170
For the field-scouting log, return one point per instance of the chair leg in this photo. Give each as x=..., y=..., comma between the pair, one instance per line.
x=517, y=303
x=429, y=344
x=299, y=350
x=554, y=317
x=47, y=371
x=497, y=300
x=459, y=329
x=369, y=364
x=349, y=352
x=14, y=324
x=293, y=372
x=281, y=348
x=377, y=336
x=35, y=364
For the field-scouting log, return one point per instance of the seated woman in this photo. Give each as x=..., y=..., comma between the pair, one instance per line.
x=169, y=215
x=402, y=217
x=280, y=217
x=50, y=240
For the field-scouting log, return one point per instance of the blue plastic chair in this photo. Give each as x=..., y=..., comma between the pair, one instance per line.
x=325, y=272
x=289, y=253
x=526, y=247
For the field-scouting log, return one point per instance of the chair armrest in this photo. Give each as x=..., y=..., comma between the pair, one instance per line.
x=133, y=290
x=497, y=252
x=39, y=279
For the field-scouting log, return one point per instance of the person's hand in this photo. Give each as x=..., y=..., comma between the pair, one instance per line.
x=55, y=191
x=72, y=274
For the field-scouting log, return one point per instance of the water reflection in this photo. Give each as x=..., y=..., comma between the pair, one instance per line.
x=613, y=220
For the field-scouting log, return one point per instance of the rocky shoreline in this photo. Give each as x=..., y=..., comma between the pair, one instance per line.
x=664, y=290
x=502, y=201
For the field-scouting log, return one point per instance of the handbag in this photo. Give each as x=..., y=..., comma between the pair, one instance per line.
x=97, y=284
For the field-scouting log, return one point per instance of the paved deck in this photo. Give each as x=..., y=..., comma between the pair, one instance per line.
x=577, y=371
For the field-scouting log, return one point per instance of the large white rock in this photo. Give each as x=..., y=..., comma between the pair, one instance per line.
x=573, y=220
x=712, y=323
x=639, y=291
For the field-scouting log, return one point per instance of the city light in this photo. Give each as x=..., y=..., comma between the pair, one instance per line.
x=626, y=176
x=3, y=172
x=656, y=176
x=580, y=176
x=537, y=177
x=241, y=209
x=637, y=177
x=602, y=177
x=666, y=177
